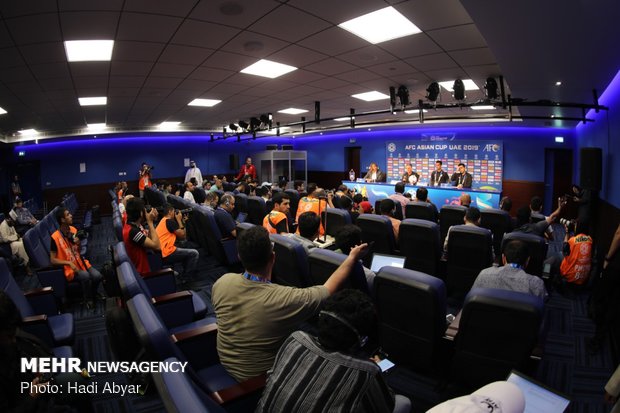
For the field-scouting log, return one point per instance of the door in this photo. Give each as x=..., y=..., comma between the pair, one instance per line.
x=558, y=178
x=352, y=160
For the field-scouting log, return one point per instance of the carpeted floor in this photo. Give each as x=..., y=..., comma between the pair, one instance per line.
x=565, y=366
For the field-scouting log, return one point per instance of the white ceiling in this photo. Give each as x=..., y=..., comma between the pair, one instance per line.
x=168, y=53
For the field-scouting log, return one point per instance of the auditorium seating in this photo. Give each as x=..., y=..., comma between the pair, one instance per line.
x=421, y=210
x=499, y=223
x=470, y=250
x=497, y=331
x=536, y=217
x=256, y=209
x=412, y=314
x=224, y=250
x=38, y=311
x=198, y=348
x=450, y=215
x=241, y=204
x=323, y=263
x=418, y=241
x=377, y=228
x=154, y=197
x=291, y=266
x=294, y=196
x=537, y=247
x=335, y=219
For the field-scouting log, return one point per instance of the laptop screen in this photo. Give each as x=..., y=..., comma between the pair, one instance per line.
x=538, y=398
x=383, y=260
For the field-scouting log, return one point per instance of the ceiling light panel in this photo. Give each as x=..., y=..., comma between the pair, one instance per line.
x=468, y=83
x=2, y=111
x=204, y=102
x=483, y=107
x=96, y=126
x=292, y=111
x=28, y=132
x=89, y=50
x=169, y=125
x=267, y=68
x=93, y=101
x=381, y=25
x=371, y=96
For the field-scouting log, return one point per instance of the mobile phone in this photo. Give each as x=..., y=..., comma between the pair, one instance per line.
x=385, y=365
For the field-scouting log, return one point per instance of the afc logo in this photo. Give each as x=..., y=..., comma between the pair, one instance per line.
x=391, y=147
x=491, y=147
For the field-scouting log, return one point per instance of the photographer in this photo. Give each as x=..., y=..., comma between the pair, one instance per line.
x=574, y=262
x=65, y=251
x=145, y=177
x=137, y=239
x=171, y=227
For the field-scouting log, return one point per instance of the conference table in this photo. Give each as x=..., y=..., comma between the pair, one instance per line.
x=440, y=196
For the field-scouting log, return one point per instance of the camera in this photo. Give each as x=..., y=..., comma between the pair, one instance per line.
x=149, y=208
x=184, y=211
x=81, y=235
x=568, y=223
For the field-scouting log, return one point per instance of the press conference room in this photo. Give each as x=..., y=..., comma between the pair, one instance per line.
x=371, y=205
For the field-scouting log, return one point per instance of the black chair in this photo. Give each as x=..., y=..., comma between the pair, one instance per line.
x=470, y=250
x=537, y=249
x=377, y=228
x=257, y=210
x=497, y=332
x=224, y=250
x=398, y=211
x=294, y=196
x=421, y=210
x=412, y=314
x=323, y=263
x=499, y=223
x=291, y=266
x=450, y=215
x=536, y=217
x=335, y=219
x=154, y=197
x=199, y=195
x=241, y=204
x=418, y=241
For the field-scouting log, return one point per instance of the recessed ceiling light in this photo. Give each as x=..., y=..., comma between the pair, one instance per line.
x=267, y=68
x=292, y=111
x=559, y=139
x=346, y=118
x=381, y=25
x=468, y=83
x=483, y=107
x=98, y=100
x=371, y=96
x=558, y=83
x=2, y=111
x=169, y=125
x=96, y=126
x=204, y=102
x=89, y=50
x=28, y=132
x=411, y=111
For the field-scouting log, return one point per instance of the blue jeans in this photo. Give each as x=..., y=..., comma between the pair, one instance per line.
x=187, y=256
x=89, y=280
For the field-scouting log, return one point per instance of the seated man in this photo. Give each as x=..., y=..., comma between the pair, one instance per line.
x=211, y=201
x=348, y=237
x=575, y=261
x=223, y=216
x=399, y=196
x=9, y=235
x=255, y=316
x=170, y=228
x=465, y=200
x=472, y=217
x=343, y=377
x=421, y=195
x=189, y=192
x=308, y=230
x=138, y=239
x=512, y=275
x=276, y=221
x=524, y=223
x=65, y=251
x=24, y=219
x=387, y=207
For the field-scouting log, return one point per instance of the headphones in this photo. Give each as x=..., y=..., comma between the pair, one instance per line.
x=361, y=341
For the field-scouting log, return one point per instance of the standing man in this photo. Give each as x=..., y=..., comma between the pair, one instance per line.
x=193, y=172
x=144, y=178
x=438, y=176
x=462, y=178
x=136, y=238
x=171, y=227
x=374, y=174
x=247, y=169
x=16, y=189
x=410, y=177
x=276, y=221
x=313, y=202
x=65, y=251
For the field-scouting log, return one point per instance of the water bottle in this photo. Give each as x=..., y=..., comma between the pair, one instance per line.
x=351, y=175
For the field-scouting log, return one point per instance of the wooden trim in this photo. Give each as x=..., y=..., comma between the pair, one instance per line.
x=39, y=291
x=239, y=390
x=166, y=298
x=195, y=332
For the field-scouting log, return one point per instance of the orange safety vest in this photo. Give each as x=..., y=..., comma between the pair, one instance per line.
x=272, y=219
x=144, y=181
x=166, y=238
x=68, y=251
x=576, y=266
x=311, y=204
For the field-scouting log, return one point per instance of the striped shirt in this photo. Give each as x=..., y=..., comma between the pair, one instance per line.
x=306, y=378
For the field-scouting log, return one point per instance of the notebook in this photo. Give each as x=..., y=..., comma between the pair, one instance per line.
x=384, y=260
x=538, y=397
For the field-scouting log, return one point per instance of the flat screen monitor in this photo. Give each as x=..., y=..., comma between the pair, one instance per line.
x=538, y=397
x=383, y=260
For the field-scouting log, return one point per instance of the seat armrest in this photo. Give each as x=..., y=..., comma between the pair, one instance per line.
x=242, y=389
x=38, y=326
x=35, y=319
x=160, y=282
x=159, y=273
x=175, y=309
x=198, y=345
x=53, y=277
x=43, y=300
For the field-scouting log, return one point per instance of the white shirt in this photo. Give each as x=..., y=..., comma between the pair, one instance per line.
x=194, y=173
x=189, y=196
x=7, y=233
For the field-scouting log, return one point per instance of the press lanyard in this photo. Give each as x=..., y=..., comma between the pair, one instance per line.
x=516, y=266
x=252, y=277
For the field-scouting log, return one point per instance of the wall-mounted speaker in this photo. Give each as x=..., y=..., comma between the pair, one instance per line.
x=287, y=147
x=591, y=171
x=271, y=147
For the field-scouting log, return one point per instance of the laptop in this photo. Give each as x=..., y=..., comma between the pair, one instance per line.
x=242, y=217
x=383, y=260
x=538, y=397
